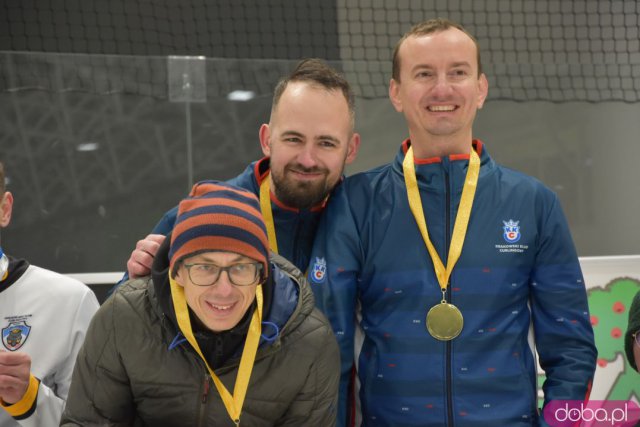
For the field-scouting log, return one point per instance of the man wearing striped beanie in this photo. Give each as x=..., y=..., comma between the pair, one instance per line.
x=219, y=226
x=221, y=325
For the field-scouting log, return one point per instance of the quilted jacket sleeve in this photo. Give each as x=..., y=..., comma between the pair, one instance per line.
x=100, y=392
x=321, y=387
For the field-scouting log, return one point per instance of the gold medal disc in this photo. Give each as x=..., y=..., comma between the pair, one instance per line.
x=444, y=321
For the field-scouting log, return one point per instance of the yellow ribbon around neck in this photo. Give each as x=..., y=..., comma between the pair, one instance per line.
x=462, y=218
x=267, y=215
x=234, y=403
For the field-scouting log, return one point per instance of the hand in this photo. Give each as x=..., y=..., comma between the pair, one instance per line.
x=15, y=370
x=139, y=264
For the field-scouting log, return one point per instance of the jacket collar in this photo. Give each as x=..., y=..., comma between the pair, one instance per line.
x=17, y=267
x=430, y=171
x=476, y=143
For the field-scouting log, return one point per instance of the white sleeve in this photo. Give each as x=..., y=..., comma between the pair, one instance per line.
x=51, y=398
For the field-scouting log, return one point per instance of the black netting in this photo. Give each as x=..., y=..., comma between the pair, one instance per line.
x=553, y=50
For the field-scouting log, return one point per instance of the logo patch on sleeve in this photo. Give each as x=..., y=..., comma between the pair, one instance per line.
x=319, y=270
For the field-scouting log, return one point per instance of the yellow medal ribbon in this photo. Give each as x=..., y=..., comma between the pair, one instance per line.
x=234, y=403
x=459, y=228
x=267, y=214
x=265, y=208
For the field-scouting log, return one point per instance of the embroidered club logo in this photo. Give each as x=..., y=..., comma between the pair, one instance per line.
x=319, y=271
x=511, y=231
x=15, y=335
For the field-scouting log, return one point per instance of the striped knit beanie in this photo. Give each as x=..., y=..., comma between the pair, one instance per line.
x=218, y=217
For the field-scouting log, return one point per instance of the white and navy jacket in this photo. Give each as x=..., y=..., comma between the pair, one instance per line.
x=517, y=283
x=45, y=315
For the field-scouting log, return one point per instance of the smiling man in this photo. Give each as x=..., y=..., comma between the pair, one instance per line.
x=308, y=140
x=464, y=271
x=307, y=143
x=217, y=314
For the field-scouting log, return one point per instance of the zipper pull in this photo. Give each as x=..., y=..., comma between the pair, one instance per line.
x=205, y=391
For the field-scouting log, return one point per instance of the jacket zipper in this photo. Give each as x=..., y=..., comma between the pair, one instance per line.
x=203, y=401
x=295, y=254
x=218, y=354
x=206, y=386
x=448, y=296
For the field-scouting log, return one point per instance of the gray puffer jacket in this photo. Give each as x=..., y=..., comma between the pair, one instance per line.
x=130, y=372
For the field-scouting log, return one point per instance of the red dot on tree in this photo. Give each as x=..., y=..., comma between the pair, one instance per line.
x=616, y=332
x=602, y=363
x=618, y=307
x=594, y=320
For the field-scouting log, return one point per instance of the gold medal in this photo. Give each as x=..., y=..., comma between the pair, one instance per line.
x=444, y=321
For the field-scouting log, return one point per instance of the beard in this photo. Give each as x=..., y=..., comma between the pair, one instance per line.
x=301, y=194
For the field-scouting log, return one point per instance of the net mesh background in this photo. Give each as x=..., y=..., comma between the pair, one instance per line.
x=548, y=50
x=81, y=73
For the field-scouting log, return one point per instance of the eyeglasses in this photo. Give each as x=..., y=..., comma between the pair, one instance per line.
x=636, y=338
x=242, y=274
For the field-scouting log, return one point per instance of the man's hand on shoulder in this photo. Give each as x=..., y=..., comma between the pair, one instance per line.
x=141, y=260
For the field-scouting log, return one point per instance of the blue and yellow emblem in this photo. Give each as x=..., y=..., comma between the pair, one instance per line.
x=15, y=335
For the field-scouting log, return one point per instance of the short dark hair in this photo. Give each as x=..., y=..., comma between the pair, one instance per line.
x=425, y=28
x=318, y=72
